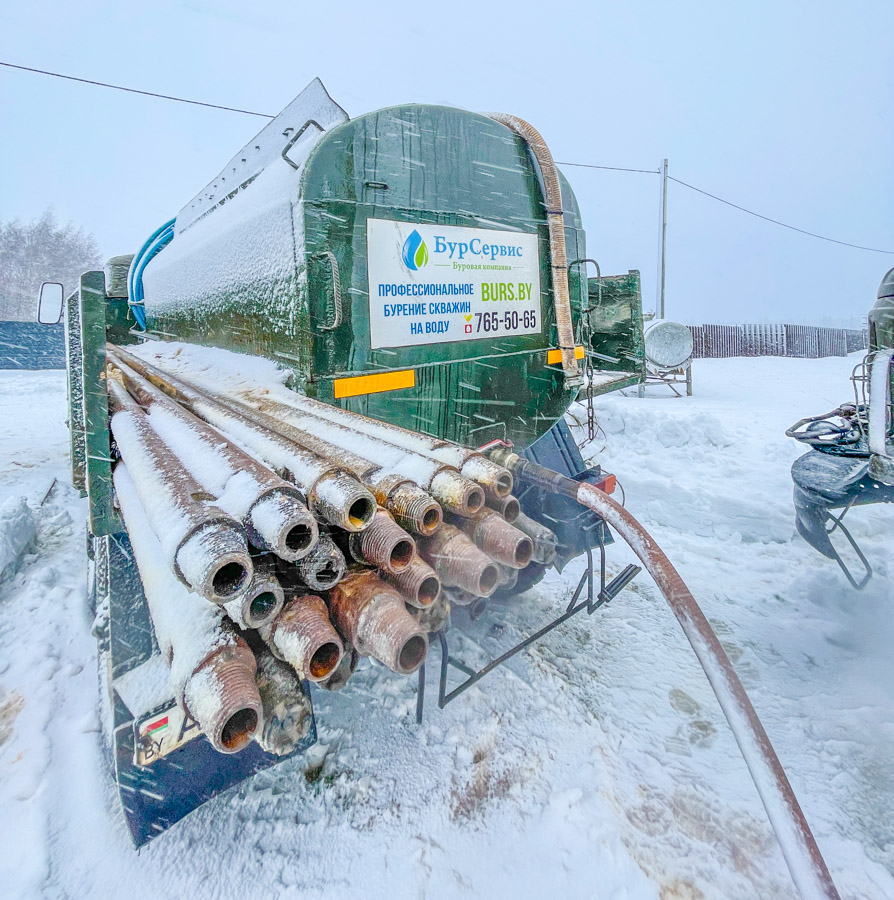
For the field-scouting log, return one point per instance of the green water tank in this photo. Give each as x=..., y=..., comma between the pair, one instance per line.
x=397, y=263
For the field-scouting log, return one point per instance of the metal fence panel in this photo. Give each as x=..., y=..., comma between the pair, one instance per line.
x=805, y=341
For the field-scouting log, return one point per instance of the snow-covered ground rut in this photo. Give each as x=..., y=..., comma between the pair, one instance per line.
x=596, y=765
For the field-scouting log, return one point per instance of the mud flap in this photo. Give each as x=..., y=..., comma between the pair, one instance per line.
x=170, y=783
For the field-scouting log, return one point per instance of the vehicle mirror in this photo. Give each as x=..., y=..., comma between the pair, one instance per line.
x=49, y=304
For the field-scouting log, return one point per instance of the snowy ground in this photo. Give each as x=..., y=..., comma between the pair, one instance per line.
x=598, y=765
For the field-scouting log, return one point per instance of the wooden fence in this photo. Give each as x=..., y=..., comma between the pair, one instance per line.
x=807, y=341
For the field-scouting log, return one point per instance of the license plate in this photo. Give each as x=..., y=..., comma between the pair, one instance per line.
x=161, y=733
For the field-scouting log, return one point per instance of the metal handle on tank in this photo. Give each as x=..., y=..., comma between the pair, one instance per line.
x=293, y=140
x=336, y=291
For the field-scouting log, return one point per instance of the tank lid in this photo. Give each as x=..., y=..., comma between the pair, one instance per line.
x=886, y=288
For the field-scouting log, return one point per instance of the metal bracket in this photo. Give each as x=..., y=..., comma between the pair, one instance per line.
x=293, y=140
x=593, y=601
x=839, y=525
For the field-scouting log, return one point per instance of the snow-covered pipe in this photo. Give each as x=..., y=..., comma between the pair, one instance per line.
x=203, y=544
x=303, y=636
x=879, y=400
x=212, y=669
x=545, y=541
x=802, y=855
x=261, y=601
x=287, y=709
x=270, y=508
x=332, y=493
x=323, y=568
x=496, y=480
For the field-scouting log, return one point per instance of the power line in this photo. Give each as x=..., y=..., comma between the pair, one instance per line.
x=248, y=112
x=751, y=212
x=118, y=87
x=610, y=168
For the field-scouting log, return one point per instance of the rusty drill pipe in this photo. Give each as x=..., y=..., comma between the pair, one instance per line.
x=328, y=438
x=544, y=540
x=324, y=567
x=418, y=583
x=287, y=708
x=372, y=616
x=384, y=545
x=459, y=563
x=204, y=545
x=497, y=538
x=802, y=854
x=271, y=509
x=496, y=480
x=303, y=636
x=223, y=698
x=414, y=509
x=262, y=600
x=332, y=493
x=212, y=669
x=508, y=507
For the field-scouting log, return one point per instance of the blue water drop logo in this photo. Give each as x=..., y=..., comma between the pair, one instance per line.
x=414, y=253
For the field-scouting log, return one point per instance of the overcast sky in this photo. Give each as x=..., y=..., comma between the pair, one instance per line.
x=783, y=107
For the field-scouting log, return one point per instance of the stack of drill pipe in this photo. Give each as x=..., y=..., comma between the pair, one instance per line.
x=212, y=668
x=396, y=476
x=270, y=508
x=496, y=479
x=205, y=546
x=332, y=493
x=373, y=617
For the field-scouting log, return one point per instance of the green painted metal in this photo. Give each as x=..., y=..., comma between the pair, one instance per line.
x=73, y=362
x=617, y=322
x=420, y=164
x=102, y=517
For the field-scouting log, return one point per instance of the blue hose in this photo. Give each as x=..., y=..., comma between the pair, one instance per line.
x=159, y=239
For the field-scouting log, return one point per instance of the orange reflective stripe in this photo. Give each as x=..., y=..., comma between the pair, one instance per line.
x=555, y=356
x=374, y=384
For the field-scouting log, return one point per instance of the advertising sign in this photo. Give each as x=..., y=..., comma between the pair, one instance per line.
x=430, y=284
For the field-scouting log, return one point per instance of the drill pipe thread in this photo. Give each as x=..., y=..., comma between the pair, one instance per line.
x=497, y=538
x=303, y=636
x=508, y=507
x=459, y=563
x=384, y=545
x=414, y=509
x=223, y=698
x=544, y=540
x=373, y=617
x=262, y=600
x=418, y=583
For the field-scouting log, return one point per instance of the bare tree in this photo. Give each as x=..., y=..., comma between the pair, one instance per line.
x=38, y=251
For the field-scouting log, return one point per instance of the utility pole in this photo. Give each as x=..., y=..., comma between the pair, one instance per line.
x=661, y=257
